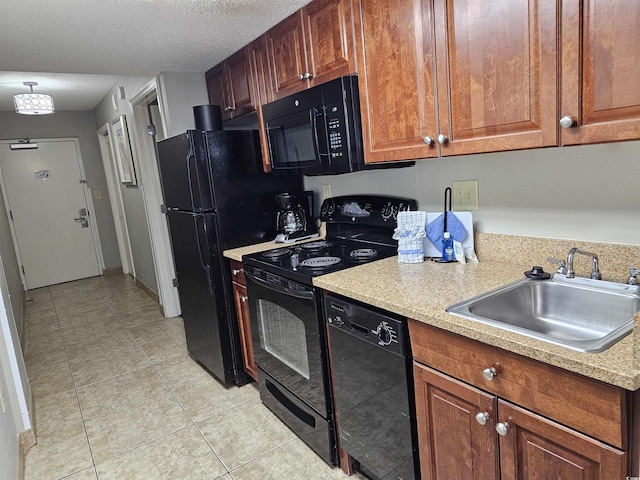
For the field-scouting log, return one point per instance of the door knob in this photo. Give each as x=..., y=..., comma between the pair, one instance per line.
x=568, y=122
x=490, y=373
x=502, y=428
x=482, y=418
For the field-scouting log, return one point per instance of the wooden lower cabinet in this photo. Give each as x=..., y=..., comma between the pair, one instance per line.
x=244, y=319
x=458, y=438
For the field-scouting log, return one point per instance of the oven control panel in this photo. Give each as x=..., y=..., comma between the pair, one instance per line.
x=365, y=209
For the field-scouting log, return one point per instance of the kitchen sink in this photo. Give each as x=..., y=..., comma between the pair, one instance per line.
x=580, y=314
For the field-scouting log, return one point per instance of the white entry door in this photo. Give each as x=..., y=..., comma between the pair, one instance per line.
x=46, y=200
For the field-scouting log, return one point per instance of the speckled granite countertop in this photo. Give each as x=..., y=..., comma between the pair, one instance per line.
x=422, y=291
x=237, y=253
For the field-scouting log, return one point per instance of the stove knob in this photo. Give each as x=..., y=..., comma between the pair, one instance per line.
x=385, y=334
x=386, y=212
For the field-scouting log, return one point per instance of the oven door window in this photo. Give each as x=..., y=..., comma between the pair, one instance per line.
x=292, y=140
x=283, y=335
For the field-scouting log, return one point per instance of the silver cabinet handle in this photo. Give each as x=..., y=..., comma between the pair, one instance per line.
x=568, y=122
x=442, y=139
x=244, y=298
x=428, y=140
x=490, y=373
x=502, y=428
x=482, y=418
x=236, y=271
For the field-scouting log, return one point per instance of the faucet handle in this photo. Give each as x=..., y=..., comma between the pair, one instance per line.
x=562, y=266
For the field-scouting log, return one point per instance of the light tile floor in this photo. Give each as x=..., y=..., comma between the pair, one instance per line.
x=118, y=398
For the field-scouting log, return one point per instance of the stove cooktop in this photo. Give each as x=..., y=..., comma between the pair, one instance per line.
x=307, y=260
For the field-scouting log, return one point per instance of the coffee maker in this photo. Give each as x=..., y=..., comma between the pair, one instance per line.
x=294, y=220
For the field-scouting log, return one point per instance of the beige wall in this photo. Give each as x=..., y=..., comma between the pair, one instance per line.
x=589, y=192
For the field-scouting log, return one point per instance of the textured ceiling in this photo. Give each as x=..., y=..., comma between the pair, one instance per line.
x=120, y=37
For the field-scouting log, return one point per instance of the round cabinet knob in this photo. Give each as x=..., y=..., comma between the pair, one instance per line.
x=442, y=139
x=308, y=76
x=301, y=76
x=229, y=108
x=244, y=298
x=428, y=140
x=482, y=418
x=236, y=271
x=568, y=122
x=502, y=428
x=489, y=373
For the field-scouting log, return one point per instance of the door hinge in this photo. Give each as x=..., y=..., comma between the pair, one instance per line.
x=163, y=208
x=82, y=180
x=11, y=215
x=151, y=130
x=23, y=272
x=175, y=282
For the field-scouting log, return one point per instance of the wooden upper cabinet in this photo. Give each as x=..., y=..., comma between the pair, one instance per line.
x=287, y=61
x=497, y=74
x=396, y=65
x=217, y=89
x=312, y=46
x=230, y=85
x=600, y=83
x=328, y=28
x=263, y=89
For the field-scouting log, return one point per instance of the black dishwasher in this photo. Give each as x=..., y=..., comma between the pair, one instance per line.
x=373, y=387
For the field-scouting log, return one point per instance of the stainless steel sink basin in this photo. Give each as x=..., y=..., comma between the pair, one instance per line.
x=581, y=314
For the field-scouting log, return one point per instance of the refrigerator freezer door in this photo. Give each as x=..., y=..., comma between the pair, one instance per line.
x=184, y=173
x=202, y=293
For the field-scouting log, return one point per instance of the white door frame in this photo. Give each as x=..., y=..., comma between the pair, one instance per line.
x=153, y=198
x=105, y=139
x=87, y=196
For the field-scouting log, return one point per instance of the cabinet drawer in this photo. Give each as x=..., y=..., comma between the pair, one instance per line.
x=589, y=406
x=237, y=272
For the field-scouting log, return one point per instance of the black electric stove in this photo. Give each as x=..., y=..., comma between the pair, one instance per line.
x=287, y=323
x=359, y=230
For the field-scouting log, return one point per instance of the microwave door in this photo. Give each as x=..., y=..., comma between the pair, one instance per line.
x=292, y=141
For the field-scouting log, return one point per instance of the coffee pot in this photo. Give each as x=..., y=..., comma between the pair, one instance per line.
x=294, y=217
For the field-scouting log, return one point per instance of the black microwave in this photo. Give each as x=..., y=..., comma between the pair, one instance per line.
x=316, y=131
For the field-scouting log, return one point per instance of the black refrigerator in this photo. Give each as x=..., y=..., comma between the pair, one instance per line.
x=216, y=198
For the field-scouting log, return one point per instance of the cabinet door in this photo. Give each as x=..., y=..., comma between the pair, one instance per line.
x=600, y=70
x=217, y=89
x=242, y=311
x=452, y=441
x=497, y=71
x=395, y=50
x=285, y=44
x=240, y=84
x=328, y=26
x=536, y=448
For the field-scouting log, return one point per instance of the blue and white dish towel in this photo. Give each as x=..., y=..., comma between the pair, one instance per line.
x=409, y=233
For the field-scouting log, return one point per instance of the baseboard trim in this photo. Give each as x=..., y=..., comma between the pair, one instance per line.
x=26, y=440
x=112, y=271
x=148, y=291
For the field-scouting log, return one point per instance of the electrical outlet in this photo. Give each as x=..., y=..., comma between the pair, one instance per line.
x=97, y=195
x=326, y=191
x=465, y=195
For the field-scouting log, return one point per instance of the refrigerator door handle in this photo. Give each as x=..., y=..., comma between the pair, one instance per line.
x=203, y=255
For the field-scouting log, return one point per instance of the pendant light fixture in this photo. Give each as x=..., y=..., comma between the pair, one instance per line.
x=33, y=103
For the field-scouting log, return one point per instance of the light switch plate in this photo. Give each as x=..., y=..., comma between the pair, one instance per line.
x=465, y=195
x=326, y=191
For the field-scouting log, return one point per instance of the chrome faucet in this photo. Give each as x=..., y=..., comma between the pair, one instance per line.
x=595, y=270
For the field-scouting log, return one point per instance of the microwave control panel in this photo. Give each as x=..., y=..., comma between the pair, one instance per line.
x=336, y=131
